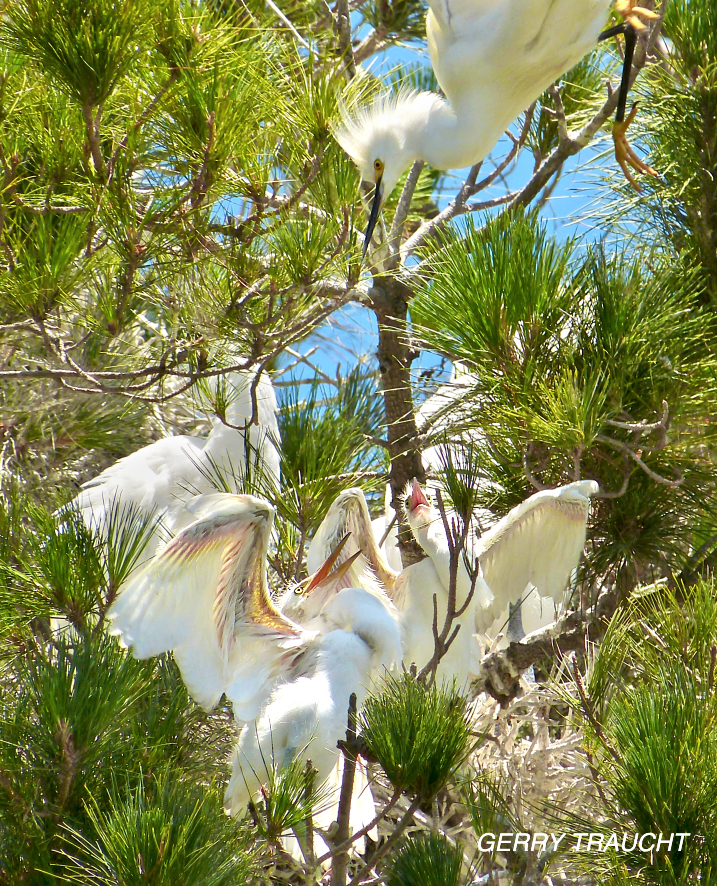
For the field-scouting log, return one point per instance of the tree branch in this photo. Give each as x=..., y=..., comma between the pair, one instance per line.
x=500, y=671
x=349, y=749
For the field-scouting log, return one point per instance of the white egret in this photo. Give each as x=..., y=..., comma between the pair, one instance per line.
x=205, y=597
x=537, y=543
x=491, y=58
x=444, y=409
x=419, y=583
x=160, y=478
x=348, y=520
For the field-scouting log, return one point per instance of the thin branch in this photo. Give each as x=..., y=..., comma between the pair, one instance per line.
x=342, y=24
x=489, y=204
x=623, y=447
x=340, y=856
x=143, y=117
x=529, y=476
x=275, y=9
x=201, y=182
x=302, y=358
x=442, y=641
x=362, y=832
x=375, y=42
x=643, y=427
x=588, y=711
x=92, y=125
x=470, y=186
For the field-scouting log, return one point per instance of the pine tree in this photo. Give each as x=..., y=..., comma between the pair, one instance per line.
x=175, y=207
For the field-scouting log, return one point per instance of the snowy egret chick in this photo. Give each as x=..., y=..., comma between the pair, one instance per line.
x=205, y=597
x=160, y=478
x=538, y=543
x=419, y=583
x=492, y=58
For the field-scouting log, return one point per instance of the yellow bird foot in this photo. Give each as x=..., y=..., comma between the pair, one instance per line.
x=625, y=155
x=634, y=15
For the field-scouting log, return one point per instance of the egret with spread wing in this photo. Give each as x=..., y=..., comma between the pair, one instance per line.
x=492, y=58
x=205, y=597
x=160, y=478
x=537, y=543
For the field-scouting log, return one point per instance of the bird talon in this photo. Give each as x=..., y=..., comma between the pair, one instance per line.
x=636, y=16
x=624, y=153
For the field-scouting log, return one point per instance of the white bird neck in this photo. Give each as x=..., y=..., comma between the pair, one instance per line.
x=224, y=441
x=428, y=531
x=357, y=611
x=452, y=141
x=346, y=661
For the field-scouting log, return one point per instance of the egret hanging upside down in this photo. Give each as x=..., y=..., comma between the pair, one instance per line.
x=205, y=597
x=492, y=58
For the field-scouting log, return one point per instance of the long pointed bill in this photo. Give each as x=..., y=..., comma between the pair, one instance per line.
x=373, y=217
x=418, y=497
x=322, y=573
x=340, y=571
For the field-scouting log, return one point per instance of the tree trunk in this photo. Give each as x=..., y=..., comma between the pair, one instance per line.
x=389, y=300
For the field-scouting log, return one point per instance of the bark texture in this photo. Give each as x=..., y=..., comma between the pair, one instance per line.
x=389, y=300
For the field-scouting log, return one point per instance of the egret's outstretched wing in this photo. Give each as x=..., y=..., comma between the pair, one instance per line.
x=539, y=542
x=205, y=597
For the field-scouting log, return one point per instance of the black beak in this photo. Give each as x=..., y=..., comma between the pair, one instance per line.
x=373, y=217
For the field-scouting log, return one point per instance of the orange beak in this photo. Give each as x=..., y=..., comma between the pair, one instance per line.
x=326, y=571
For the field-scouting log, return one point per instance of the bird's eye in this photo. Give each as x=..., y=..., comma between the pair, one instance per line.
x=377, y=168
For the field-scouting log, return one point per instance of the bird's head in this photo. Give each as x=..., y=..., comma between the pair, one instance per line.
x=418, y=505
x=383, y=139
x=349, y=514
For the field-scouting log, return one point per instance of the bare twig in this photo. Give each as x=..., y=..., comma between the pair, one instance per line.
x=397, y=832
x=364, y=830
x=143, y=117
x=340, y=856
x=643, y=427
x=375, y=42
x=623, y=447
x=588, y=711
x=443, y=640
x=404, y=205
x=275, y=9
x=529, y=476
x=470, y=186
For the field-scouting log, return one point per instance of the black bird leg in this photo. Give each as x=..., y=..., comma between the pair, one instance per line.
x=624, y=154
